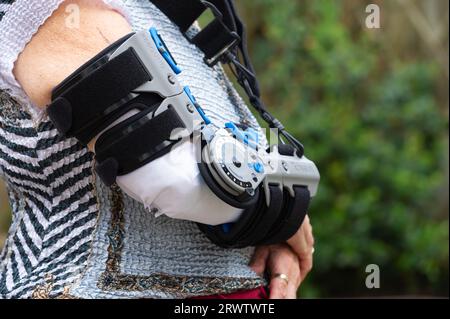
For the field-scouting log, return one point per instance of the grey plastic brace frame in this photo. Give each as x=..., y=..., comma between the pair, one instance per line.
x=284, y=171
x=164, y=80
x=290, y=171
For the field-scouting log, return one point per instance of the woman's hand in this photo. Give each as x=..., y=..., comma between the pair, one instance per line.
x=302, y=243
x=278, y=259
x=294, y=259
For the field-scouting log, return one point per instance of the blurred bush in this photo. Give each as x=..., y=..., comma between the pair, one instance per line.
x=373, y=124
x=373, y=113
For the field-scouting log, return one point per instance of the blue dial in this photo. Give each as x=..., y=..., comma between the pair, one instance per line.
x=258, y=167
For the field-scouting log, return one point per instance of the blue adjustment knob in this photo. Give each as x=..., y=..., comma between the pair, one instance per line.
x=258, y=167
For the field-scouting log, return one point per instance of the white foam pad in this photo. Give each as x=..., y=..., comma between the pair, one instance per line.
x=174, y=186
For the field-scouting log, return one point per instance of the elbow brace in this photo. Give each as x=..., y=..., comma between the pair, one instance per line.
x=129, y=98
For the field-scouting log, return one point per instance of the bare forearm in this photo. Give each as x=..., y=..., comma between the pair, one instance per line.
x=57, y=50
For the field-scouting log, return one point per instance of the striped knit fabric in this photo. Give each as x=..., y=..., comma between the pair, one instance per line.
x=55, y=209
x=4, y=4
x=71, y=237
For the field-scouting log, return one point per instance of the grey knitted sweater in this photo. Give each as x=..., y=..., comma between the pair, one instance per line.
x=73, y=237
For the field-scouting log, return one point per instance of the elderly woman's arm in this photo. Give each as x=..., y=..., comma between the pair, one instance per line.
x=58, y=48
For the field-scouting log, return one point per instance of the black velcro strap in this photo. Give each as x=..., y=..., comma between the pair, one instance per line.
x=264, y=225
x=295, y=211
x=90, y=66
x=214, y=38
x=94, y=100
x=135, y=142
x=182, y=12
x=253, y=225
x=265, y=218
x=60, y=113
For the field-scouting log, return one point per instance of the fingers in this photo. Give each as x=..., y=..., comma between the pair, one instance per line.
x=306, y=260
x=294, y=280
x=299, y=243
x=292, y=290
x=283, y=261
x=309, y=232
x=282, y=289
x=302, y=244
x=306, y=265
x=278, y=289
x=259, y=259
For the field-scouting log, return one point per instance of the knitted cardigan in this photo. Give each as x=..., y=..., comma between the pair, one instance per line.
x=71, y=237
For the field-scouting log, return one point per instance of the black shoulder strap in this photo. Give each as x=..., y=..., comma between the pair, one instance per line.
x=182, y=13
x=224, y=40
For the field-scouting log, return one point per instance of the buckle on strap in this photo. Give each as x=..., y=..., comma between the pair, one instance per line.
x=216, y=39
x=222, y=56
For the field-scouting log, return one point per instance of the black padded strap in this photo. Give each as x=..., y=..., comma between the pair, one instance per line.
x=221, y=34
x=291, y=220
x=254, y=224
x=264, y=225
x=214, y=38
x=94, y=100
x=90, y=66
x=182, y=12
x=265, y=218
x=135, y=142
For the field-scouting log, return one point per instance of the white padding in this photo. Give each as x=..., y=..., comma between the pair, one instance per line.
x=174, y=186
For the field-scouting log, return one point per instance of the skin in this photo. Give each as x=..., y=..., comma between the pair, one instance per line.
x=56, y=51
x=294, y=259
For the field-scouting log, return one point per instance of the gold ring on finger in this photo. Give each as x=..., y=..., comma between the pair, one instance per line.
x=282, y=277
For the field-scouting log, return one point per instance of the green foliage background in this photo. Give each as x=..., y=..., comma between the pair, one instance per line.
x=371, y=119
x=373, y=113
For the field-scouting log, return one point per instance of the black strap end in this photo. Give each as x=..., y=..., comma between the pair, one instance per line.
x=60, y=113
x=107, y=171
x=286, y=149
